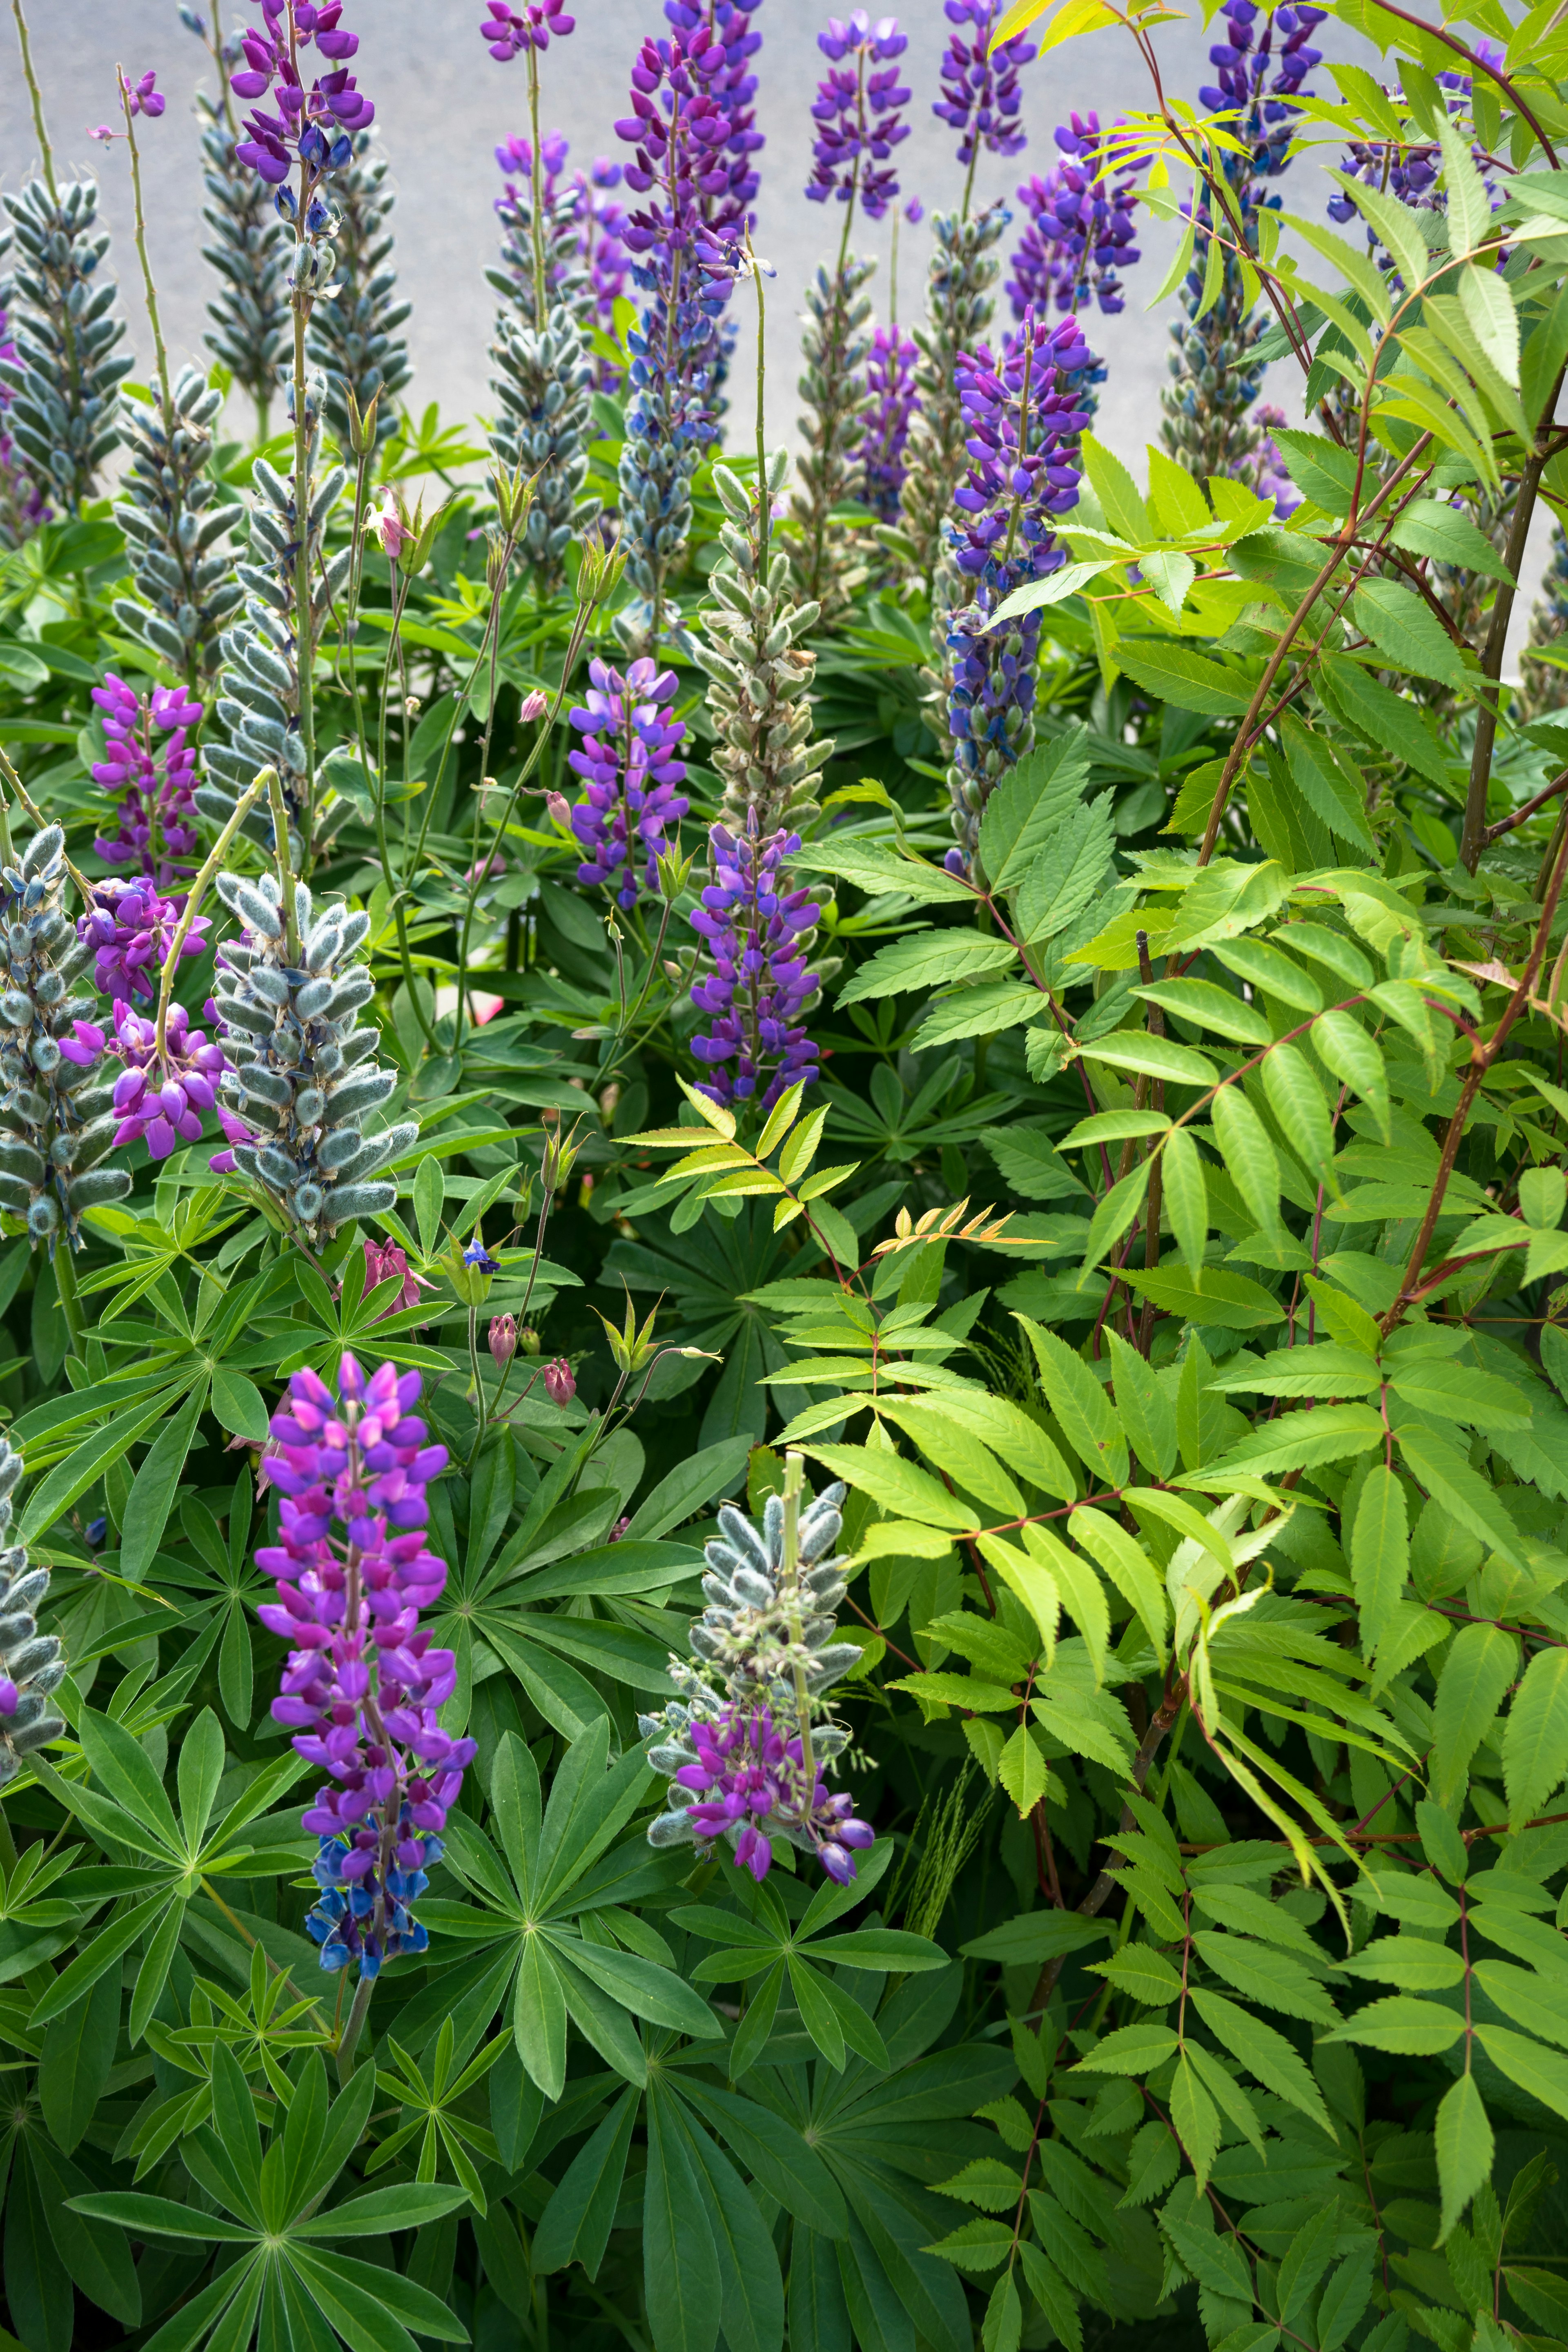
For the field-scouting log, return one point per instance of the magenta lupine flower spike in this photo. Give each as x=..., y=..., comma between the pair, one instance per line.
x=363, y=1687
x=316, y=124
x=152, y=782
x=856, y=113
x=164, y=1100
x=132, y=929
x=629, y=767
x=980, y=86
x=507, y=33
x=758, y=932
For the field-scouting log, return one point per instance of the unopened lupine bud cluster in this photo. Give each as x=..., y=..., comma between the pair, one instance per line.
x=176, y=527
x=23, y=505
x=258, y=695
x=354, y=338
x=149, y=772
x=834, y=347
x=964, y=269
x=56, y=1119
x=1022, y=408
x=248, y=250
x=543, y=382
x=32, y=1666
x=363, y=1687
x=630, y=765
x=64, y=409
x=760, y=667
x=755, y=986
x=303, y=1077
x=734, y=1745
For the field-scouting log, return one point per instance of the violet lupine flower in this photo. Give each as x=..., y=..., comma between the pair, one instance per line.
x=1081, y=227
x=152, y=782
x=1411, y=170
x=362, y=1688
x=733, y=86
x=858, y=125
x=163, y=1100
x=756, y=1777
x=223, y=1163
x=132, y=929
x=507, y=34
x=1263, y=113
x=890, y=380
x=1024, y=412
x=980, y=86
x=316, y=124
x=758, y=932
x=628, y=763
x=143, y=96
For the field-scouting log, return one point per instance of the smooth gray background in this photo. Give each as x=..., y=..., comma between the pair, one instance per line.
x=443, y=103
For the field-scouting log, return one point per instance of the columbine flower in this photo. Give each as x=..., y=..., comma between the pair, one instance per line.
x=560, y=1381
x=858, y=126
x=980, y=85
x=162, y=1099
x=130, y=929
x=391, y=529
x=385, y=1262
x=1022, y=408
x=734, y=1748
x=143, y=97
x=630, y=805
x=502, y=1339
x=152, y=782
x=362, y=1688
x=477, y=1254
x=507, y=34
x=758, y=935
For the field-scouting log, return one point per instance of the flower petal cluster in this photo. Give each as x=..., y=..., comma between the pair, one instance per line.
x=163, y=1098
x=890, y=382
x=1023, y=410
x=32, y=1665
x=1081, y=227
x=507, y=34
x=385, y=1262
x=315, y=124
x=151, y=781
x=55, y=1120
x=757, y=933
x=734, y=1745
x=856, y=113
x=733, y=85
x=1244, y=60
x=362, y=1686
x=980, y=85
x=130, y=929
x=1412, y=170
x=630, y=766
x=144, y=97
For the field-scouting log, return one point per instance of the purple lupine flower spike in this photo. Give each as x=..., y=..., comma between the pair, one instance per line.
x=162, y=1099
x=507, y=33
x=758, y=933
x=131, y=928
x=890, y=380
x=630, y=767
x=152, y=782
x=748, y=1773
x=363, y=1689
x=144, y=97
x=856, y=114
x=1023, y=410
x=315, y=125
x=980, y=86
x=1081, y=227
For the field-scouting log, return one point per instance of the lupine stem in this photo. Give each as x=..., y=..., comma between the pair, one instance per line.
x=358, y=2010
x=149, y=286
x=36, y=96
x=536, y=176
x=789, y=1578
x=285, y=864
x=70, y=1303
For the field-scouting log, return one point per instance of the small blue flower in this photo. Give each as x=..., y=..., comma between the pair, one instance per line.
x=477, y=1254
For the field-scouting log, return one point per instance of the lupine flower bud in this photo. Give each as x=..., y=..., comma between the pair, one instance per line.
x=361, y=1690
x=560, y=1381
x=355, y=338
x=964, y=268
x=64, y=412
x=501, y=1338
x=32, y=1666
x=534, y=705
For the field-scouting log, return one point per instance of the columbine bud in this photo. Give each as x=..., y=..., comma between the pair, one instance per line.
x=503, y=1338
x=528, y=1339
x=560, y=1381
x=391, y=530
x=534, y=706
x=560, y=814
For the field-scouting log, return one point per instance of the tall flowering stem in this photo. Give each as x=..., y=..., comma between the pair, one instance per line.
x=1215, y=377
x=23, y=505
x=857, y=128
x=63, y=379
x=748, y=1746
x=630, y=766
x=980, y=97
x=964, y=269
x=149, y=769
x=362, y=1688
x=757, y=933
x=1022, y=408
x=679, y=134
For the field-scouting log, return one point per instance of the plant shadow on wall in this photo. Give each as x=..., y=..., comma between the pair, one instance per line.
x=783, y=1249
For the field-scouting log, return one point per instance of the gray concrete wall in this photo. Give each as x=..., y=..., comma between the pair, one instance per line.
x=442, y=104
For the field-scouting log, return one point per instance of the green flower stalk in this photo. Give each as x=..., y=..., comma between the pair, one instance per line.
x=760, y=669
x=964, y=268
x=353, y=337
